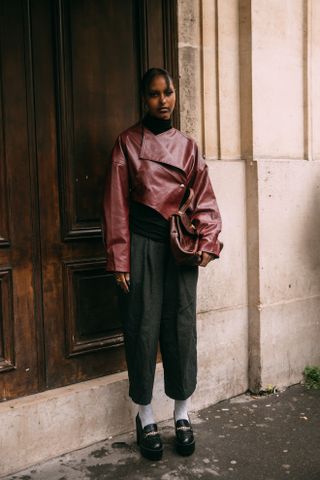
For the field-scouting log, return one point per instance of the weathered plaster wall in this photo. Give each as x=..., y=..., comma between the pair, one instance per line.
x=210, y=111
x=285, y=106
x=249, y=94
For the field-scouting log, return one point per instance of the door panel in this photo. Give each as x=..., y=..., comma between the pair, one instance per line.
x=91, y=300
x=96, y=59
x=89, y=105
x=7, y=360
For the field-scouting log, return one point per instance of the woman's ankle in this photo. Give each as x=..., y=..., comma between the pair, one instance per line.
x=146, y=414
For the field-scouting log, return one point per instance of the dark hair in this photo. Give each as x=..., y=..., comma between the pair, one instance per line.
x=149, y=76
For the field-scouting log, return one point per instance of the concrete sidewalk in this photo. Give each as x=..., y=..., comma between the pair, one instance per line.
x=272, y=437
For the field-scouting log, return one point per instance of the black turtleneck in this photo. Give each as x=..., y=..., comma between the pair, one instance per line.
x=156, y=125
x=145, y=220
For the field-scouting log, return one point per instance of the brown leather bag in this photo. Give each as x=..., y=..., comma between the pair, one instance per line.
x=184, y=238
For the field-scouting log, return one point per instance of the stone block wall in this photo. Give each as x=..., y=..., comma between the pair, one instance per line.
x=249, y=94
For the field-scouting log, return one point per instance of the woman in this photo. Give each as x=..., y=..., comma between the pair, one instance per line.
x=151, y=167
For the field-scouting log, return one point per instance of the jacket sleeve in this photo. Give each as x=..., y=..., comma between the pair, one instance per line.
x=205, y=213
x=115, y=216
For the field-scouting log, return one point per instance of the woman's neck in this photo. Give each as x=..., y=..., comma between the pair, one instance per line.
x=156, y=125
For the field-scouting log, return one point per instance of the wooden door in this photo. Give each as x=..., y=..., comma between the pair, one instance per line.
x=83, y=60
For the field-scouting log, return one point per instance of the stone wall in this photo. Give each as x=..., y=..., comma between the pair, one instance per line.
x=249, y=94
x=210, y=111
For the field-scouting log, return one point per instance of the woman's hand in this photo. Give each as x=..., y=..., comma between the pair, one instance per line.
x=123, y=280
x=205, y=258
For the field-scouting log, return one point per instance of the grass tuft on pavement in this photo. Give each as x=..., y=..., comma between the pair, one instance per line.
x=312, y=377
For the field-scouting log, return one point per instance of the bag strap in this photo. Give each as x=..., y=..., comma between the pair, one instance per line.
x=183, y=208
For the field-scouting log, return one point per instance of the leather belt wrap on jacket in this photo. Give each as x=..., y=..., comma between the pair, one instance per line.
x=155, y=170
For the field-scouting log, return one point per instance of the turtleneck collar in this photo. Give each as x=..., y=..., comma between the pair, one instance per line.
x=156, y=125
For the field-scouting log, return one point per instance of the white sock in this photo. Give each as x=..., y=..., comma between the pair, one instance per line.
x=181, y=409
x=146, y=414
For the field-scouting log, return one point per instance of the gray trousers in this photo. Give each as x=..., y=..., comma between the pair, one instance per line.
x=161, y=307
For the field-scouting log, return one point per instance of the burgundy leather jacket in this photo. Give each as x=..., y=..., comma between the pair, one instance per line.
x=156, y=170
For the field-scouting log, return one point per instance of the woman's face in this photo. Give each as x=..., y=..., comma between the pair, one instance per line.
x=160, y=98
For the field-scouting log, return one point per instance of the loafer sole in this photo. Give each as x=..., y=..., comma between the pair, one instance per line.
x=185, y=450
x=151, y=454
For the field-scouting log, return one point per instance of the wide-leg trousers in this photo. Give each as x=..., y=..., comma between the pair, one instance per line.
x=160, y=307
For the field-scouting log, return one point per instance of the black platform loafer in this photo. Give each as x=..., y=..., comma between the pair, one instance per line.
x=149, y=440
x=185, y=443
